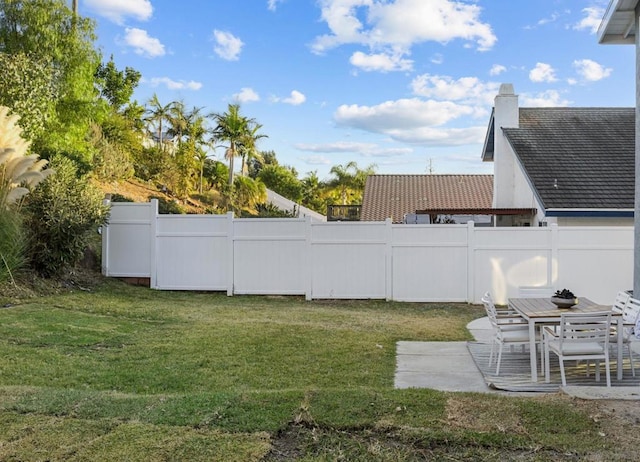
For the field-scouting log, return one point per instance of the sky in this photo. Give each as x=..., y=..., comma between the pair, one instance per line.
x=405, y=85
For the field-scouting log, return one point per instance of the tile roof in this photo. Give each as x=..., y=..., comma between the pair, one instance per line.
x=579, y=158
x=393, y=196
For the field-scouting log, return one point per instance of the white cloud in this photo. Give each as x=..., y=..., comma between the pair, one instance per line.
x=118, y=10
x=398, y=25
x=402, y=114
x=497, y=69
x=246, y=95
x=430, y=136
x=272, y=5
x=175, y=85
x=467, y=89
x=437, y=58
x=142, y=43
x=364, y=149
x=227, y=45
x=542, y=73
x=549, y=98
x=591, y=21
x=295, y=98
x=590, y=70
x=316, y=160
x=380, y=62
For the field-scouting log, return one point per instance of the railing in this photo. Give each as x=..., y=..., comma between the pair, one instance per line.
x=343, y=212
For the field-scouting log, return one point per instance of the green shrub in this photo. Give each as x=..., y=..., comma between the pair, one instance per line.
x=12, y=244
x=60, y=214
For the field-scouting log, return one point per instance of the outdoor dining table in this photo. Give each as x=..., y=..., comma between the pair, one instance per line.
x=542, y=311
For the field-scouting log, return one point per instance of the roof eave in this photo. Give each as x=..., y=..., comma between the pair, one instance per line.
x=586, y=212
x=618, y=23
x=487, y=148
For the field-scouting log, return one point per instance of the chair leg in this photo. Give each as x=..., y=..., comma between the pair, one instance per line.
x=633, y=371
x=547, y=369
x=597, y=370
x=564, y=379
x=607, y=371
x=499, y=359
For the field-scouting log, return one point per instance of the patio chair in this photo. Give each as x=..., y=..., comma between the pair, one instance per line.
x=620, y=302
x=509, y=328
x=581, y=336
x=630, y=313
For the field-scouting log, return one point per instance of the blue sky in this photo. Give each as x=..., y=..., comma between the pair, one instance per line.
x=407, y=85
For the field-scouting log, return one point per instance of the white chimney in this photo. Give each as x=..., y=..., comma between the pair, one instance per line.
x=506, y=115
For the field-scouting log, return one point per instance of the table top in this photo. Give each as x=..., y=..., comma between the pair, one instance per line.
x=534, y=308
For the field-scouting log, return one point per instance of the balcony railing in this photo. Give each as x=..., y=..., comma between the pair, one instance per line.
x=343, y=212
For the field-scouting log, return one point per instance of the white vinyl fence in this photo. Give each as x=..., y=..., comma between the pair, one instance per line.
x=362, y=260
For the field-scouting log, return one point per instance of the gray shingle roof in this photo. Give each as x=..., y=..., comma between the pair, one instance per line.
x=580, y=158
x=393, y=196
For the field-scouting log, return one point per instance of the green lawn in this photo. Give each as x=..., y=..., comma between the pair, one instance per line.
x=126, y=373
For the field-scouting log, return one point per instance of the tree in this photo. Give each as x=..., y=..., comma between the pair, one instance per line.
x=282, y=180
x=256, y=164
x=247, y=146
x=247, y=194
x=116, y=86
x=157, y=114
x=27, y=86
x=350, y=180
x=47, y=32
x=235, y=129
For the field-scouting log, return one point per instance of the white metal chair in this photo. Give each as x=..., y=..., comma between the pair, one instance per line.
x=509, y=328
x=620, y=302
x=630, y=314
x=581, y=336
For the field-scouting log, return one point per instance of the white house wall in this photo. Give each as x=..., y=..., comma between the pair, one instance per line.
x=376, y=260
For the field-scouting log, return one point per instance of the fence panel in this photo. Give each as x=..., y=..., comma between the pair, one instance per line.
x=597, y=262
x=505, y=259
x=191, y=252
x=270, y=256
x=429, y=262
x=126, y=250
x=348, y=260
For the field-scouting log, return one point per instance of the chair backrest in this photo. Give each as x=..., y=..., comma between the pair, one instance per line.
x=631, y=311
x=490, y=308
x=622, y=298
x=585, y=327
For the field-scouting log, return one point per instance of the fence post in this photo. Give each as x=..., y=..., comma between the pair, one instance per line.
x=553, y=268
x=104, y=233
x=388, y=259
x=471, y=262
x=308, y=257
x=153, y=242
x=230, y=256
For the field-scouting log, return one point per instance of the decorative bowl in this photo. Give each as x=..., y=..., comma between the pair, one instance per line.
x=564, y=302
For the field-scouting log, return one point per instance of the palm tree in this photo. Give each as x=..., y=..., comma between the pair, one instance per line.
x=157, y=114
x=177, y=118
x=247, y=146
x=232, y=128
x=350, y=178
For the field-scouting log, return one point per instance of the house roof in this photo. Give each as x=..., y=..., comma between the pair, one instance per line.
x=393, y=196
x=617, y=26
x=578, y=158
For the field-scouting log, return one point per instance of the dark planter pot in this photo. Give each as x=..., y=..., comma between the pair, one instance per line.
x=564, y=302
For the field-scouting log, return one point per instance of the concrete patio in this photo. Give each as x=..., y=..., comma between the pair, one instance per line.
x=449, y=366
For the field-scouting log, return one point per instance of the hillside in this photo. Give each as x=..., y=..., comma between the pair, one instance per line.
x=139, y=191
